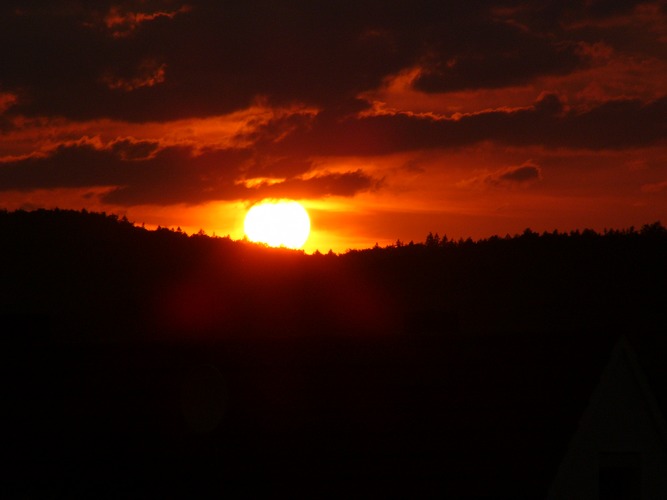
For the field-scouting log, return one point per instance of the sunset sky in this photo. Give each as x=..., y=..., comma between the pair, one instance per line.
x=386, y=120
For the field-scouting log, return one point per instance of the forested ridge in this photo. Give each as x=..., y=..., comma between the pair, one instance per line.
x=153, y=364
x=90, y=275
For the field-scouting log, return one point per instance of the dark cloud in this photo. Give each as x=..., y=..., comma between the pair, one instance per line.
x=596, y=10
x=7, y=100
x=77, y=165
x=6, y=124
x=331, y=184
x=171, y=174
x=549, y=16
x=625, y=25
x=522, y=175
x=602, y=9
x=498, y=55
x=265, y=165
x=212, y=59
x=165, y=60
x=132, y=149
x=140, y=173
x=612, y=125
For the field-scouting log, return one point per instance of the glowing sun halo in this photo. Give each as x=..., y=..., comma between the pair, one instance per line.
x=278, y=223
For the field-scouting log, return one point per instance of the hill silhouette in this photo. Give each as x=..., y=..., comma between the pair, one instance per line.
x=158, y=364
x=91, y=276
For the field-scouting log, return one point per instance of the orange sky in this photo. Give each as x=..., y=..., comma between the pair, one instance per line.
x=385, y=121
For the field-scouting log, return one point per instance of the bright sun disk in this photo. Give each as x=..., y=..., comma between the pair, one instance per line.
x=278, y=223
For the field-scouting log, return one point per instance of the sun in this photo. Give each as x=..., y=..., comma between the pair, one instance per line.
x=278, y=223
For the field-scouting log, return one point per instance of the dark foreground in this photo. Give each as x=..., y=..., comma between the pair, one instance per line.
x=387, y=417
x=142, y=364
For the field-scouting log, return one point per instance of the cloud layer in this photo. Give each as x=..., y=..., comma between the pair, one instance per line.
x=106, y=94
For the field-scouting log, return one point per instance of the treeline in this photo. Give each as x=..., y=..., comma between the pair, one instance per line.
x=91, y=275
x=433, y=240
x=94, y=224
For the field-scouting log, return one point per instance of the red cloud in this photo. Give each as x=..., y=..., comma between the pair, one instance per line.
x=122, y=23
